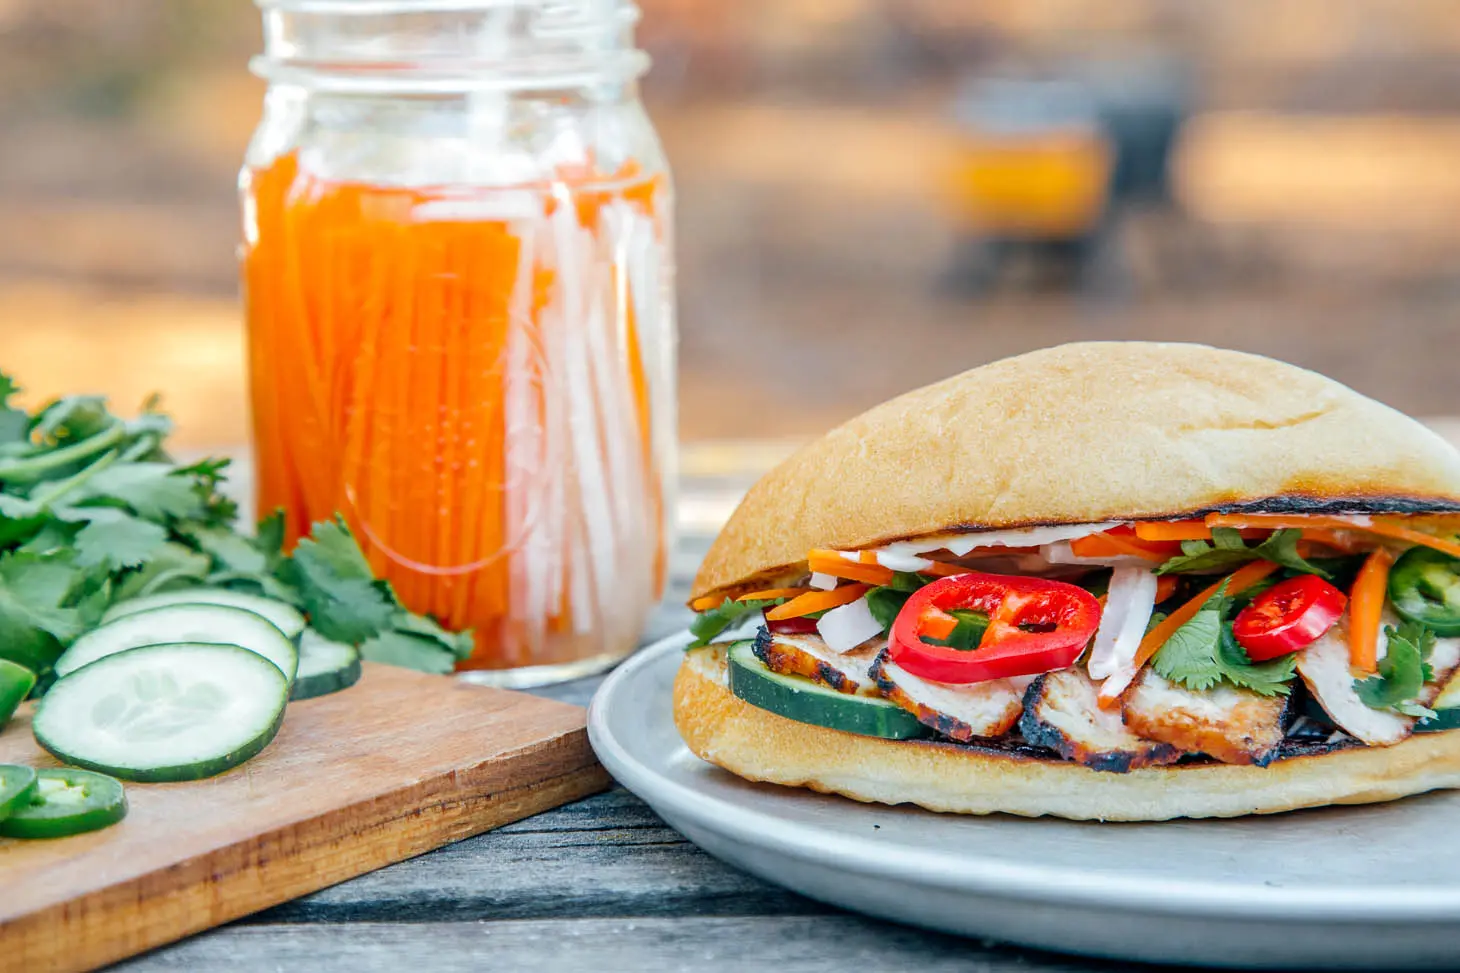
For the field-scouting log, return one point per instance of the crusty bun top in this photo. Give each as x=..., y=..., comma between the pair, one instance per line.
x=1083, y=433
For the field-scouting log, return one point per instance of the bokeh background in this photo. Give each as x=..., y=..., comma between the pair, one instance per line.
x=872, y=193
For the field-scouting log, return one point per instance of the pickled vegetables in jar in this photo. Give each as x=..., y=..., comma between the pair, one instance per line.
x=461, y=332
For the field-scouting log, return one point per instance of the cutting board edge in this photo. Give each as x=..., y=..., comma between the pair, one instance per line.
x=122, y=920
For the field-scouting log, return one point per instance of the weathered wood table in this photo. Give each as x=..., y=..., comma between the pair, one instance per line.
x=600, y=885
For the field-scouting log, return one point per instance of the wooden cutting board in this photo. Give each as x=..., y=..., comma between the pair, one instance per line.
x=394, y=766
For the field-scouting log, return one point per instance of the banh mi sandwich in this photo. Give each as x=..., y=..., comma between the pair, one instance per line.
x=1121, y=581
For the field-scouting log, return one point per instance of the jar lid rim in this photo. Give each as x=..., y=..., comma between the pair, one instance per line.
x=350, y=7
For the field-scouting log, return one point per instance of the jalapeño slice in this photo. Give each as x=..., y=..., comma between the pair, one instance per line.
x=16, y=786
x=16, y=682
x=67, y=802
x=1424, y=587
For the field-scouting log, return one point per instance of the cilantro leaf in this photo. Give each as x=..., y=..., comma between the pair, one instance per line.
x=1402, y=672
x=230, y=551
x=1271, y=678
x=1227, y=550
x=336, y=585
x=117, y=539
x=409, y=651
x=1203, y=653
x=171, y=566
x=155, y=491
x=885, y=603
x=14, y=423
x=1189, y=656
x=207, y=476
x=269, y=537
x=459, y=644
x=729, y=613
x=35, y=624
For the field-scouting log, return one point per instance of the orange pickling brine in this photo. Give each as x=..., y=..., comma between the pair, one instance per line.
x=461, y=339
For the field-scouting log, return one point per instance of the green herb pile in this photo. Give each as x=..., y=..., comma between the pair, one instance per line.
x=93, y=511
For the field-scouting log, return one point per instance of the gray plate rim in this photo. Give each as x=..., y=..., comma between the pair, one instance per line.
x=968, y=871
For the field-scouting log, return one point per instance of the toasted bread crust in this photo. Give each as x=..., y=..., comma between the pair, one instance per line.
x=1085, y=433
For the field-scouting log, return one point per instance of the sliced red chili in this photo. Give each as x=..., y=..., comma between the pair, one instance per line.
x=1035, y=626
x=1288, y=616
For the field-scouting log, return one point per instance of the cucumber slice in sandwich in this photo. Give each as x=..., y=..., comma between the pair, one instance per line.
x=1446, y=707
x=16, y=682
x=164, y=712
x=218, y=624
x=286, y=617
x=804, y=701
x=325, y=666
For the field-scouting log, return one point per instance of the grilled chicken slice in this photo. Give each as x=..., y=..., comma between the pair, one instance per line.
x=1235, y=726
x=1062, y=711
x=963, y=713
x=809, y=656
x=1324, y=668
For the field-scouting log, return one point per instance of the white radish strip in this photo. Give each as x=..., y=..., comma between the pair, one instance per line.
x=845, y=628
x=903, y=562
x=652, y=270
x=962, y=544
x=824, y=582
x=583, y=413
x=610, y=347
x=1129, y=603
x=521, y=429
x=540, y=474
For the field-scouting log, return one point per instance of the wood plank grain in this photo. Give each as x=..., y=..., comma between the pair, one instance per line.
x=782, y=944
x=607, y=856
x=395, y=766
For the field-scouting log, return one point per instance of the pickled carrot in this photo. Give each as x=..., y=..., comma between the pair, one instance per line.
x=410, y=354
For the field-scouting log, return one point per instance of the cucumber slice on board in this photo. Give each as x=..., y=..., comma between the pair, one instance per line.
x=286, y=618
x=219, y=624
x=325, y=666
x=164, y=712
x=16, y=786
x=66, y=802
x=16, y=682
x=804, y=701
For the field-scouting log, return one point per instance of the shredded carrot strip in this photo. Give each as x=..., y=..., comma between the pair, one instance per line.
x=940, y=570
x=1175, y=530
x=770, y=594
x=1366, y=605
x=832, y=563
x=1166, y=587
x=1379, y=526
x=868, y=557
x=1113, y=545
x=815, y=601
x=1239, y=580
x=706, y=602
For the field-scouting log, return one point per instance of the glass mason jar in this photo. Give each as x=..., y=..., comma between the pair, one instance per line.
x=458, y=279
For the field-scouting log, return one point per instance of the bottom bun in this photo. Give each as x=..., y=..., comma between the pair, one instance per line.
x=761, y=746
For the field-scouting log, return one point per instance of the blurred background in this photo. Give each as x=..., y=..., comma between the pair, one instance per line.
x=872, y=193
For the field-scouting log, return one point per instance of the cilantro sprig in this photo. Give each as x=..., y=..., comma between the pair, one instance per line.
x=1227, y=551
x=709, y=624
x=93, y=511
x=1402, y=673
x=1203, y=653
